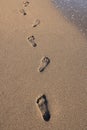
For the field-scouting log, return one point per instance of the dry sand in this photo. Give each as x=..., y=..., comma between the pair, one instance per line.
x=63, y=81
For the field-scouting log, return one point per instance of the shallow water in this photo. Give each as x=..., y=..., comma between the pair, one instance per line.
x=75, y=11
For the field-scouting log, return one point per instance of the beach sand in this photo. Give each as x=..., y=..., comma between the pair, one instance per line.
x=64, y=81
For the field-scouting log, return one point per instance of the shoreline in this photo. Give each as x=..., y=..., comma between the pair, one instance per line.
x=74, y=12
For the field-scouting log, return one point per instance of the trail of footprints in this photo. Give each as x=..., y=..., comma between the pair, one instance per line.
x=41, y=101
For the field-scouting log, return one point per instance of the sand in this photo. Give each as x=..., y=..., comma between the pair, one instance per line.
x=64, y=79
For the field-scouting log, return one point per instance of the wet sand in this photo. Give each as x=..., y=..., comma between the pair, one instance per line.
x=75, y=11
x=64, y=79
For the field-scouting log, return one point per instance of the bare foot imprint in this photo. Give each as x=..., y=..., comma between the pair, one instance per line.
x=32, y=41
x=26, y=3
x=36, y=22
x=44, y=62
x=22, y=11
x=43, y=107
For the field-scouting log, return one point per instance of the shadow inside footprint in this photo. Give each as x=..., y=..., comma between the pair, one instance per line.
x=36, y=22
x=26, y=3
x=32, y=41
x=22, y=11
x=44, y=63
x=43, y=107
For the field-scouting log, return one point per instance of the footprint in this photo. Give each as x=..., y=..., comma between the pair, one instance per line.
x=26, y=3
x=32, y=41
x=36, y=22
x=22, y=11
x=43, y=107
x=44, y=62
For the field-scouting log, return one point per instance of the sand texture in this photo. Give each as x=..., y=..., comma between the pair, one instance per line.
x=63, y=81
